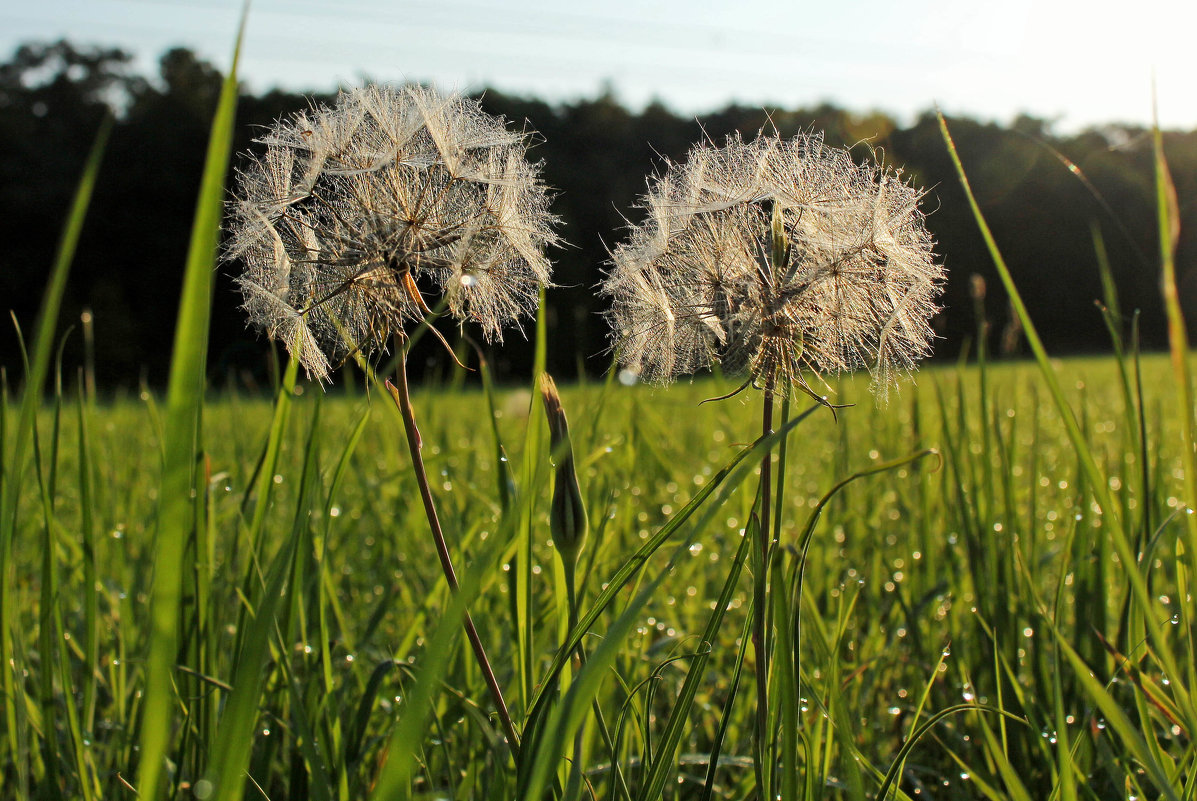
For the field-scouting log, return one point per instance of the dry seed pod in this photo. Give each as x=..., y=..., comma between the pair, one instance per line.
x=770, y=257
x=353, y=212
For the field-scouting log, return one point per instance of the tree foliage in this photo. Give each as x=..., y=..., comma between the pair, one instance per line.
x=1042, y=193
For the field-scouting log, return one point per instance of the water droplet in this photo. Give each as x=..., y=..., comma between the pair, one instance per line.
x=203, y=789
x=468, y=280
x=628, y=377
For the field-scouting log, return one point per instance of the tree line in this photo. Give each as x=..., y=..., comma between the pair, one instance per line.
x=1056, y=204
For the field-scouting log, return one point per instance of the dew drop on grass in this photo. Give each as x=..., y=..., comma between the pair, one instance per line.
x=893, y=710
x=203, y=789
x=468, y=280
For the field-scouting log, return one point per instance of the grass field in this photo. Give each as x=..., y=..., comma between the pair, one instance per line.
x=965, y=585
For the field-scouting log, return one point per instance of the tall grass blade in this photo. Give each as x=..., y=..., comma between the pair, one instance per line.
x=184, y=404
x=14, y=460
x=1098, y=483
x=1168, y=215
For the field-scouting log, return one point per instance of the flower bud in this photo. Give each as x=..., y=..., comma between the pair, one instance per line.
x=567, y=515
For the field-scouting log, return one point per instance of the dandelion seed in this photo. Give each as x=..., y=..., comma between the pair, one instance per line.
x=353, y=212
x=772, y=257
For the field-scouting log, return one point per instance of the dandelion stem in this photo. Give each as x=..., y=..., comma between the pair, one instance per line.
x=760, y=610
x=402, y=397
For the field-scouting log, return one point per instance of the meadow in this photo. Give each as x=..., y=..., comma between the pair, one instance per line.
x=980, y=589
x=968, y=580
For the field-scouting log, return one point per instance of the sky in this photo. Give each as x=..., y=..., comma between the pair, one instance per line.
x=1074, y=63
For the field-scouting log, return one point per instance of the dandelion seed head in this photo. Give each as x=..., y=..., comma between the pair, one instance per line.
x=353, y=212
x=772, y=257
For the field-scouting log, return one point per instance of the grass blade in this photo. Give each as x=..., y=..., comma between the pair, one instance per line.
x=184, y=404
x=15, y=460
x=1098, y=483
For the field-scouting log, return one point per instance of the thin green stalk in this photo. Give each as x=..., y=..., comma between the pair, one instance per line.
x=763, y=763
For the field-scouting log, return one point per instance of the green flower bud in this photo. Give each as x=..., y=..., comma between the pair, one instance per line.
x=567, y=516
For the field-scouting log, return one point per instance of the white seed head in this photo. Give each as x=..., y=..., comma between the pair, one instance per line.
x=774, y=256
x=352, y=212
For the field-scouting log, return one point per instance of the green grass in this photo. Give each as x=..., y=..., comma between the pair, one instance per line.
x=998, y=556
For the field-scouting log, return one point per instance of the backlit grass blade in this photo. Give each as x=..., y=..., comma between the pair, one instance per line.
x=91, y=644
x=15, y=457
x=1098, y=483
x=184, y=404
x=1168, y=215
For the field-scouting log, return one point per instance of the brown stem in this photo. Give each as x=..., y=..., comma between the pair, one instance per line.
x=403, y=401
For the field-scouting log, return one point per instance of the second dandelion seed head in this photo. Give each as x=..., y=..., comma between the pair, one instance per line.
x=351, y=210
x=772, y=257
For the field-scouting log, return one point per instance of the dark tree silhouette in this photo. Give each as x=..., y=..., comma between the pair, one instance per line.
x=597, y=155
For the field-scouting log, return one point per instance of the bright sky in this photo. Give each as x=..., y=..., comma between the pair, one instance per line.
x=1074, y=62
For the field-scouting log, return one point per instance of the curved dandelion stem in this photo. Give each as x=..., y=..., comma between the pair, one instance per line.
x=402, y=397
